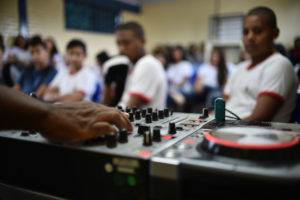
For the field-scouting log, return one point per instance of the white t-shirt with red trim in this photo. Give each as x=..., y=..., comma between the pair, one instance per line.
x=209, y=74
x=147, y=80
x=274, y=76
x=178, y=72
x=82, y=81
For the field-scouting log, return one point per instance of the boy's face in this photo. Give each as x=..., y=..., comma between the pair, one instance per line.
x=75, y=57
x=258, y=36
x=130, y=45
x=177, y=55
x=39, y=56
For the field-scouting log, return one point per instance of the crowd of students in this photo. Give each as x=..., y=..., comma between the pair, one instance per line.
x=263, y=87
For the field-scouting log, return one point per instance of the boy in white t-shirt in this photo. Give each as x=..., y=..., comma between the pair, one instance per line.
x=146, y=84
x=264, y=88
x=75, y=83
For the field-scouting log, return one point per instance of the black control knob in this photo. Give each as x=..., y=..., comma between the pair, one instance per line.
x=123, y=136
x=147, y=139
x=144, y=112
x=137, y=115
x=127, y=109
x=205, y=112
x=134, y=109
x=161, y=114
x=171, y=112
x=142, y=129
x=156, y=135
x=32, y=132
x=149, y=110
x=172, y=128
x=154, y=116
x=25, y=134
x=131, y=117
x=166, y=112
x=111, y=140
x=148, y=118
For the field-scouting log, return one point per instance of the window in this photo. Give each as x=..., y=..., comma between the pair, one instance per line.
x=227, y=27
x=93, y=15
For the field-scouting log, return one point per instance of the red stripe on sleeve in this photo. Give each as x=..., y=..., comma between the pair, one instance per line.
x=226, y=96
x=141, y=96
x=272, y=94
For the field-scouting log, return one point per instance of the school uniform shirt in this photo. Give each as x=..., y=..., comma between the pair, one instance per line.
x=177, y=72
x=20, y=54
x=209, y=74
x=147, y=80
x=82, y=81
x=31, y=79
x=274, y=76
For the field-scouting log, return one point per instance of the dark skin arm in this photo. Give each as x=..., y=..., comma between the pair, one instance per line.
x=198, y=86
x=135, y=102
x=107, y=95
x=265, y=109
x=68, y=122
x=41, y=91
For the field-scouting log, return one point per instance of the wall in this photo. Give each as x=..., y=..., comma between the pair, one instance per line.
x=9, y=22
x=186, y=21
x=47, y=19
x=178, y=21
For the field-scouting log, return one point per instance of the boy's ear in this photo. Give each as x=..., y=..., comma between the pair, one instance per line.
x=276, y=33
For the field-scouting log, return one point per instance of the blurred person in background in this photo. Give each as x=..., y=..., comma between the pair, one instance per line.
x=295, y=52
x=115, y=72
x=76, y=82
x=212, y=77
x=56, y=60
x=146, y=84
x=37, y=76
x=18, y=57
x=194, y=55
x=179, y=73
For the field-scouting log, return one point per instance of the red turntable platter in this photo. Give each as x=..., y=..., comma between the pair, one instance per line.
x=252, y=143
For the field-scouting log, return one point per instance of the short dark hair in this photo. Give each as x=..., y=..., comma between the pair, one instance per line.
x=37, y=40
x=132, y=26
x=102, y=57
x=77, y=43
x=266, y=12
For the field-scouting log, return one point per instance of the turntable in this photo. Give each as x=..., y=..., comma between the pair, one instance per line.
x=231, y=158
x=253, y=143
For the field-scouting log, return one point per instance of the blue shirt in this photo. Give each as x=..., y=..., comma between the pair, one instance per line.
x=31, y=79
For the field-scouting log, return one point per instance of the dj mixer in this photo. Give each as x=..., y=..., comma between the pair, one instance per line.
x=167, y=156
x=115, y=166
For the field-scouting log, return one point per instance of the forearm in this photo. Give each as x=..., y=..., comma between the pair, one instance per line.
x=135, y=102
x=265, y=109
x=199, y=87
x=52, y=95
x=19, y=111
x=41, y=91
x=107, y=95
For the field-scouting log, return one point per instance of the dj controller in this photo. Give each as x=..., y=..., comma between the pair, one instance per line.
x=167, y=156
